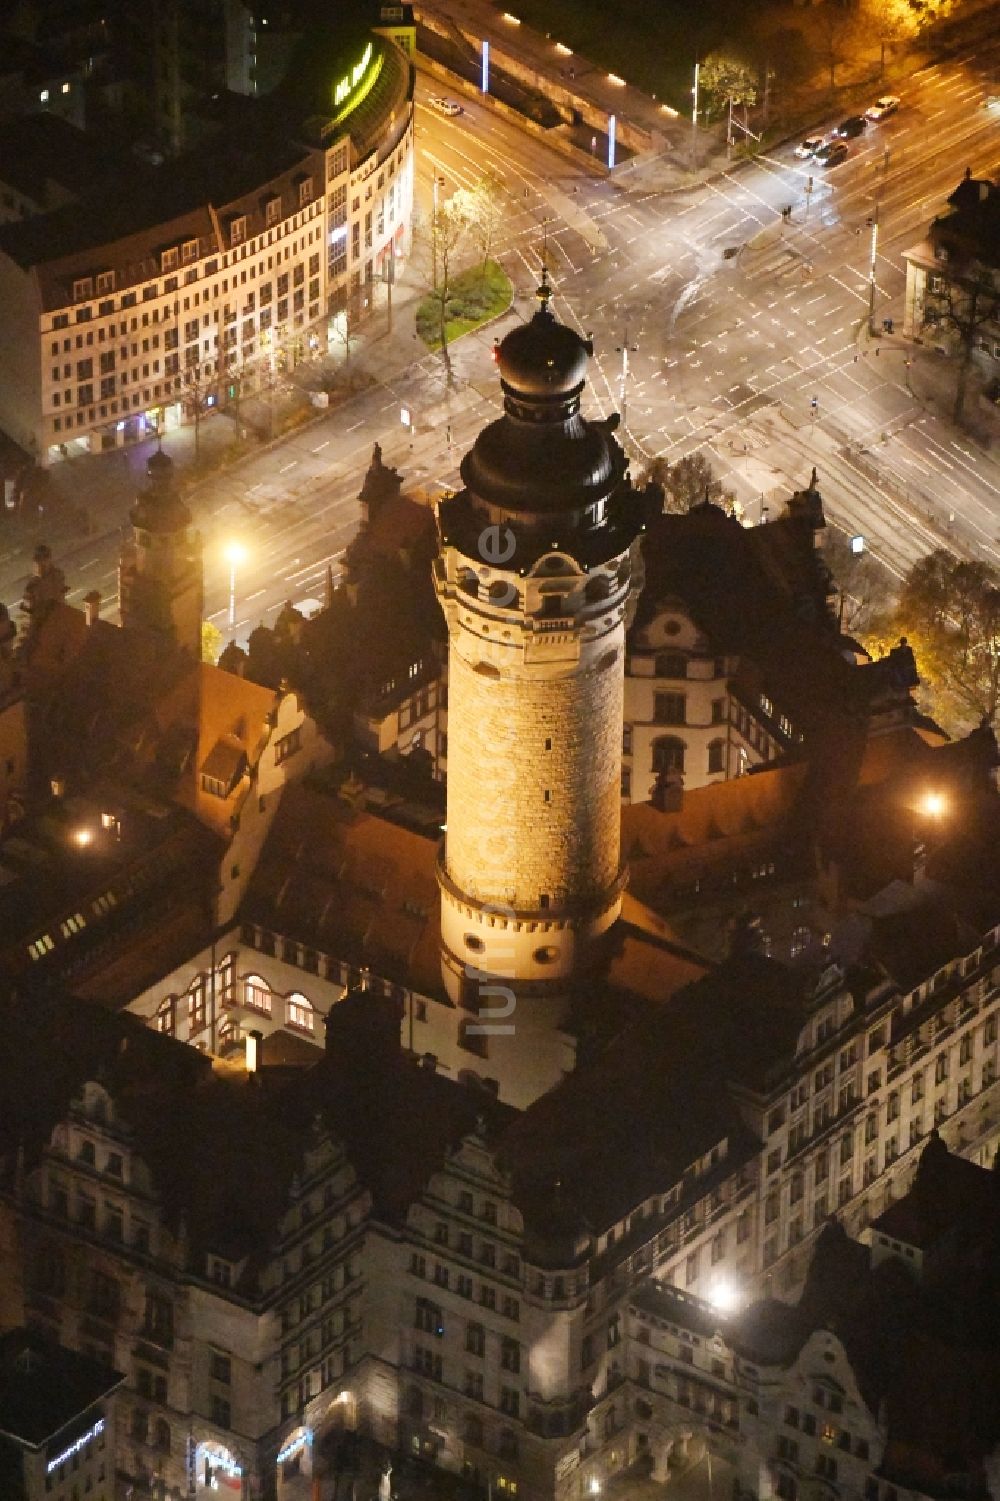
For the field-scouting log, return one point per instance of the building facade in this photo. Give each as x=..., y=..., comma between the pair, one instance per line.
x=122, y=333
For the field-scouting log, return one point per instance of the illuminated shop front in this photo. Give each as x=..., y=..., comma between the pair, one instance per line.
x=217, y=1471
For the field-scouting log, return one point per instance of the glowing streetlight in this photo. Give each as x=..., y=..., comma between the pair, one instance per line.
x=82, y=837
x=235, y=555
x=933, y=804
x=724, y=1295
x=595, y=1486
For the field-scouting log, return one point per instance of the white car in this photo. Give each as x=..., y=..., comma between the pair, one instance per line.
x=887, y=105
x=444, y=106
x=810, y=146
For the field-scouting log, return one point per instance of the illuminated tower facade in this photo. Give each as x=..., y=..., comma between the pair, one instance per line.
x=160, y=586
x=538, y=573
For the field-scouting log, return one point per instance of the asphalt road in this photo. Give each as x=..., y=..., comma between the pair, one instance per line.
x=723, y=354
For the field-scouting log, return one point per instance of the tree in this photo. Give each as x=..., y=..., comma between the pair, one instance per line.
x=687, y=482
x=949, y=610
x=865, y=588
x=835, y=28
x=889, y=21
x=965, y=299
x=211, y=642
x=729, y=82
x=483, y=206
x=450, y=225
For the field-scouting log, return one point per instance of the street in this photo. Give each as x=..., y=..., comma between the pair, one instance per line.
x=760, y=357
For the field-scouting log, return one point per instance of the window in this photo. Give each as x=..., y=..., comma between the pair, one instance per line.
x=670, y=708
x=475, y=1339
x=668, y=755
x=257, y=994
x=510, y=1355
x=221, y=1412
x=510, y=1401
x=428, y=1317
x=474, y=1385
x=716, y=756
x=287, y=745
x=158, y=1324
x=221, y=1367
x=671, y=664
x=237, y=230
x=300, y=1012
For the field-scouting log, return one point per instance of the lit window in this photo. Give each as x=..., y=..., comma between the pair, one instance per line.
x=65, y=88
x=44, y=96
x=257, y=994
x=300, y=1012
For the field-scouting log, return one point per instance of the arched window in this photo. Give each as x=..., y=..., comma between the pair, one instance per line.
x=668, y=754
x=300, y=1012
x=716, y=755
x=468, y=582
x=597, y=588
x=257, y=994
x=196, y=1004
x=671, y=664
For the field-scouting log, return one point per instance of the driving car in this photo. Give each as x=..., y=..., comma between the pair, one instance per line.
x=830, y=154
x=854, y=125
x=810, y=146
x=887, y=105
x=444, y=106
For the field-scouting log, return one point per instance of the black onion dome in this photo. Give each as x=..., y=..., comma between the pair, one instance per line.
x=542, y=456
x=542, y=357
x=541, y=469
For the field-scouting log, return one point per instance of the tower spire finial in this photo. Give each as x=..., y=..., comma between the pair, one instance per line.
x=544, y=292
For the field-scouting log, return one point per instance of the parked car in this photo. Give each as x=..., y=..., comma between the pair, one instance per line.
x=810, y=146
x=444, y=106
x=854, y=125
x=830, y=154
x=887, y=105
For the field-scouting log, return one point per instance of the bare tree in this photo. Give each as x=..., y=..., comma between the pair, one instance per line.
x=484, y=206
x=965, y=299
x=687, y=482
x=835, y=27
x=449, y=228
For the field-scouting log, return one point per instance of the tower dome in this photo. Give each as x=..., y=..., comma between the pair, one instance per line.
x=543, y=359
x=541, y=457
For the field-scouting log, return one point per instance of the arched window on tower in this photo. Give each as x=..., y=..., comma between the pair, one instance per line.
x=668, y=754
x=468, y=582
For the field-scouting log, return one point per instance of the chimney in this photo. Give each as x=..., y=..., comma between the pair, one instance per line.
x=668, y=792
x=255, y=1041
x=92, y=606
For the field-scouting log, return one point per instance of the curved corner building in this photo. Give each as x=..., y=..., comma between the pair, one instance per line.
x=196, y=282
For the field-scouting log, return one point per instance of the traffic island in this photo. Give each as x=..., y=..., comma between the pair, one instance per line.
x=473, y=298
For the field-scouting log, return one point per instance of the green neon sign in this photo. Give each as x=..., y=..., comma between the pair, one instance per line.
x=350, y=80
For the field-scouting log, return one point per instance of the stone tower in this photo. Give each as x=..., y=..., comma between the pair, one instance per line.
x=538, y=572
x=160, y=585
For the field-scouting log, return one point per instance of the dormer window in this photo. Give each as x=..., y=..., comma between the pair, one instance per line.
x=83, y=288
x=189, y=251
x=238, y=230
x=168, y=260
x=305, y=191
x=105, y=282
x=272, y=212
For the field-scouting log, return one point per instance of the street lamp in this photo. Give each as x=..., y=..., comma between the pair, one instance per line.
x=933, y=805
x=724, y=1295
x=235, y=555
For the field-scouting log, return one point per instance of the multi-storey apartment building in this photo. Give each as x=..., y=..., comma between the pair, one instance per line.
x=128, y=313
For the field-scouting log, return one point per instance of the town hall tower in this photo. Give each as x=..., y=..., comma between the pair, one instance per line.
x=538, y=573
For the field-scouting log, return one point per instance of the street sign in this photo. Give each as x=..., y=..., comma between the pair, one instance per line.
x=404, y=416
x=857, y=545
